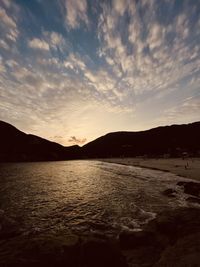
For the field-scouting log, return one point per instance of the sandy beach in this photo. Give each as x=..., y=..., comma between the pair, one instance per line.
x=189, y=167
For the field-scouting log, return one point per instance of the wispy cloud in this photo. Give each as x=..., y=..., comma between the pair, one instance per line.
x=74, y=62
x=8, y=27
x=187, y=110
x=8, y=21
x=77, y=141
x=144, y=55
x=137, y=63
x=4, y=45
x=76, y=12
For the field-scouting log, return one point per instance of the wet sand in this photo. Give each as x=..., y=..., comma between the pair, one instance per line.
x=189, y=168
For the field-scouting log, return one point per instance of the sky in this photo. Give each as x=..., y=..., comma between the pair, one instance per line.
x=73, y=70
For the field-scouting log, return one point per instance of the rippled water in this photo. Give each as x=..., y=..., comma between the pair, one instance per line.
x=82, y=196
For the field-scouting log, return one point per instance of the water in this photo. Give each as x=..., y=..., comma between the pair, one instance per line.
x=82, y=197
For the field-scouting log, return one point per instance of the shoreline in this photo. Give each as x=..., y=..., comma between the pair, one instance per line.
x=187, y=168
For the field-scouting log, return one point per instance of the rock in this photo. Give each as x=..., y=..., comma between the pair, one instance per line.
x=162, y=237
x=181, y=183
x=98, y=253
x=191, y=188
x=193, y=200
x=130, y=240
x=164, y=230
x=176, y=223
x=169, y=192
x=51, y=251
x=185, y=252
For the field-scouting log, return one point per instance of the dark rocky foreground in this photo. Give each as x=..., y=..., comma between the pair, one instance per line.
x=172, y=239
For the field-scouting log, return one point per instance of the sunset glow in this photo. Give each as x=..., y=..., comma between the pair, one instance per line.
x=74, y=70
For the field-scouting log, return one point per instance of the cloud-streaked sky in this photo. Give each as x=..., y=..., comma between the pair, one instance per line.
x=72, y=70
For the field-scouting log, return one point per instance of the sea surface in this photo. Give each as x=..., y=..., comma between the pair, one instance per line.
x=83, y=197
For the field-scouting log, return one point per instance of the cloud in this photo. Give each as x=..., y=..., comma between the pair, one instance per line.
x=129, y=58
x=7, y=3
x=156, y=36
x=187, y=110
x=182, y=27
x=77, y=141
x=8, y=26
x=147, y=55
x=11, y=63
x=76, y=12
x=4, y=45
x=55, y=41
x=119, y=6
x=8, y=21
x=50, y=40
x=74, y=62
x=2, y=66
x=38, y=44
x=134, y=31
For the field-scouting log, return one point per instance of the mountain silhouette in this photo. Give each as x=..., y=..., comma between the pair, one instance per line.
x=16, y=145
x=172, y=140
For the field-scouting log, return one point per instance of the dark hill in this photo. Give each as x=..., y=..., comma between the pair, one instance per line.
x=18, y=146
x=172, y=140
